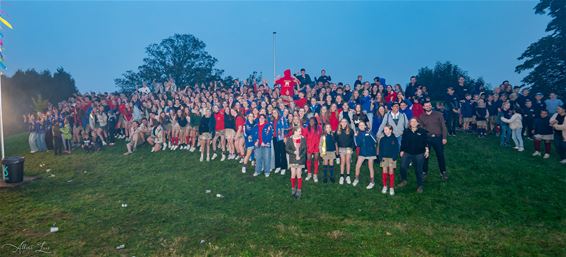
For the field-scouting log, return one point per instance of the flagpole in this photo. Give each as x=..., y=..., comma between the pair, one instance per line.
x=274, y=33
x=1, y=119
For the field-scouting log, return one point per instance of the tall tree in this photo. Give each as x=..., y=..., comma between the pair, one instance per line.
x=442, y=76
x=546, y=59
x=182, y=57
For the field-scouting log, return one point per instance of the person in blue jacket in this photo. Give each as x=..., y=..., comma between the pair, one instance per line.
x=388, y=152
x=249, y=140
x=264, y=135
x=367, y=144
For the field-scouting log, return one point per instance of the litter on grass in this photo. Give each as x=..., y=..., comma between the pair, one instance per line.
x=48, y=170
x=85, y=171
x=120, y=247
x=202, y=241
x=208, y=191
x=52, y=175
x=124, y=205
x=219, y=195
x=53, y=229
x=69, y=181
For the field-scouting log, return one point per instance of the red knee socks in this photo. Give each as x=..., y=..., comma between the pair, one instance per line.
x=300, y=184
x=391, y=180
x=384, y=179
x=315, y=167
x=537, y=145
x=309, y=166
x=547, y=147
x=293, y=182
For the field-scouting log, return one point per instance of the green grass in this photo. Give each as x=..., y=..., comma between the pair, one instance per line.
x=496, y=203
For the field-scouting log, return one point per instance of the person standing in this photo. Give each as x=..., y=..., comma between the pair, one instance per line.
x=414, y=149
x=262, y=152
x=296, y=147
x=433, y=122
x=559, y=125
x=453, y=108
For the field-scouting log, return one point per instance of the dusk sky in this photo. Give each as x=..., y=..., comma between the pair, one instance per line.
x=97, y=41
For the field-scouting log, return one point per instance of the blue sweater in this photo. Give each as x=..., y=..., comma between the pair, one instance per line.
x=388, y=147
x=367, y=143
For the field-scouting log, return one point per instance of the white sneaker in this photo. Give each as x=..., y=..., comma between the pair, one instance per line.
x=516, y=148
x=230, y=157
x=384, y=190
x=241, y=160
x=277, y=170
x=521, y=149
x=356, y=181
x=282, y=172
x=341, y=182
x=370, y=186
x=214, y=156
x=348, y=181
x=256, y=174
x=338, y=161
x=315, y=179
x=253, y=163
x=563, y=161
x=104, y=143
x=309, y=176
x=536, y=153
x=267, y=175
x=391, y=191
x=192, y=149
x=244, y=169
x=546, y=156
x=207, y=158
x=223, y=158
x=201, y=158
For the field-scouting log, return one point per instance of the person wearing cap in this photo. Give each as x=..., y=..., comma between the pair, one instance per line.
x=552, y=103
x=559, y=125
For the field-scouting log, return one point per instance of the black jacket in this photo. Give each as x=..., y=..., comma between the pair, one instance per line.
x=414, y=142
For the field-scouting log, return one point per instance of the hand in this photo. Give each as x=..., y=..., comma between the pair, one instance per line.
x=426, y=154
x=444, y=141
x=401, y=153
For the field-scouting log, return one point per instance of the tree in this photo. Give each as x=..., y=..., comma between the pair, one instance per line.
x=28, y=91
x=546, y=59
x=182, y=57
x=442, y=76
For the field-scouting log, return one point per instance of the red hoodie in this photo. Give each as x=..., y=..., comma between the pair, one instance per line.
x=287, y=83
x=313, y=139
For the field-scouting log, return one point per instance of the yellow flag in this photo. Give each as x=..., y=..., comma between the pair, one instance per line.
x=6, y=23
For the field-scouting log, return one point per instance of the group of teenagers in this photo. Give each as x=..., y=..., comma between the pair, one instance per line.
x=301, y=123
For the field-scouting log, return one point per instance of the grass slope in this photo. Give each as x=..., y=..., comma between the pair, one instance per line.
x=496, y=203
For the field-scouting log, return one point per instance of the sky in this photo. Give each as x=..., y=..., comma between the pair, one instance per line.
x=96, y=41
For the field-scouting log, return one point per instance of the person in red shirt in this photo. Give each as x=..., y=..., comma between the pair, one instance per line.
x=390, y=95
x=334, y=117
x=288, y=84
x=219, y=128
x=417, y=108
x=312, y=134
x=239, y=141
x=302, y=101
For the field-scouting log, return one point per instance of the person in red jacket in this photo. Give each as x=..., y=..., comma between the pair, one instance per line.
x=302, y=101
x=417, y=108
x=219, y=128
x=312, y=134
x=288, y=84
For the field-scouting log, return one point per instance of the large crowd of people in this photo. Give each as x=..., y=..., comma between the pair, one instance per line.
x=300, y=123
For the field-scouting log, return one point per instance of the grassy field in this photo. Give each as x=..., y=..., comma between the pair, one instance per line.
x=496, y=203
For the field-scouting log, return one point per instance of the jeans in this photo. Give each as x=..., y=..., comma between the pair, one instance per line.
x=32, y=140
x=560, y=145
x=40, y=142
x=263, y=159
x=280, y=155
x=505, y=134
x=418, y=160
x=436, y=144
x=452, y=123
x=517, y=137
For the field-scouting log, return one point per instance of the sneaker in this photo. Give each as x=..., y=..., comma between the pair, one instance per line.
x=244, y=169
x=192, y=149
x=201, y=158
x=207, y=158
x=214, y=156
x=241, y=160
x=391, y=191
x=521, y=149
x=563, y=161
x=384, y=190
x=230, y=157
x=253, y=163
x=309, y=176
x=223, y=158
x=282, y=172
x=315, y=179
x=370, y=186
x=402, y=184
x=348, y=181
x=293, y=191
x=546, y=156
x=256, y=174
x=338, y=161
x=516, y=148
x=536, y=153
x=419, y=190
x=277, y=170
x=356, y=181
x=341, y=182
x=298, y=194
x=267, y=175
